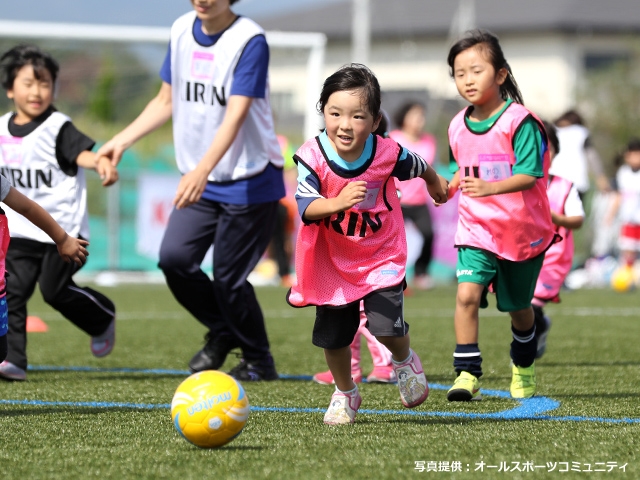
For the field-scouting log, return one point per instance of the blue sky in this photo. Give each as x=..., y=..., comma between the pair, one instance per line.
x=136, y=12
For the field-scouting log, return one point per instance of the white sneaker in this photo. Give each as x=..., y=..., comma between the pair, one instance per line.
x=9, y=371
x=343, y=407
x=412, y=382
x=101, y=345
x=542, y=338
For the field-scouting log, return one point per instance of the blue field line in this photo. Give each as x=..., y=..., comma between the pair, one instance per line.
x=535, y=408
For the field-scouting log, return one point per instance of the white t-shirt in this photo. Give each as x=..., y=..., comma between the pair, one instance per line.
x=573, y=205
x=571, y=160
x=629, y=187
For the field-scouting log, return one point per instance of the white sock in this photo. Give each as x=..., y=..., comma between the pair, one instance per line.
x=405, y=360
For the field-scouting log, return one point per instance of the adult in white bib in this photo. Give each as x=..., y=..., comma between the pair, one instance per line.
x=215, y=88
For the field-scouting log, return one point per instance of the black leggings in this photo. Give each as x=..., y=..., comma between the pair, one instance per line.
x=421, y=217
x=3, y=348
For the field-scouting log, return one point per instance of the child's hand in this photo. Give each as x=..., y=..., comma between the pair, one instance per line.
x=73, y=250
x=353, y=193
x=107, y=171
x=476, y=187
x=438, y=190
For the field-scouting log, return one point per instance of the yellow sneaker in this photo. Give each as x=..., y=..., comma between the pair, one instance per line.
x=523, y=381
x=465, y=388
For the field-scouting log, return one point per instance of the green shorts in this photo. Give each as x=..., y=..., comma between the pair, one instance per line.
x=512, y=282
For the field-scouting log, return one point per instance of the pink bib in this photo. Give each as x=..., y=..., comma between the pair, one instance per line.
x=514, y=226
x=559, y=258
x=342, y=258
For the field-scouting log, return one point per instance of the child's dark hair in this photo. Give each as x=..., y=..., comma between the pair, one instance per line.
x=354, y=76
x=19, y=56
x=383, y=126
x=633, y=145
x=399, y=115
x=570, y=117
x=552, y=136
x=488, y=43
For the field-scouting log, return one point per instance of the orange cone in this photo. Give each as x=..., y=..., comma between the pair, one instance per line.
x=35, y=324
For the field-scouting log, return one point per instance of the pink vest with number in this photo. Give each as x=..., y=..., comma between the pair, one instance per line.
x=342, y=258
x=559, y=258
x=514, y=226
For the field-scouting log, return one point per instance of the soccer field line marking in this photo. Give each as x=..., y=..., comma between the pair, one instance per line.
x=534, y=408
x=409, y=313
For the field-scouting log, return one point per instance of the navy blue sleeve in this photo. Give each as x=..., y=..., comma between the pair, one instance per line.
x=165, y=70
x=410, y=165
x=250, y=75
x=307, y=191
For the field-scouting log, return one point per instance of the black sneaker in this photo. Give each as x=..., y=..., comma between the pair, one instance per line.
x=212, y=355
x=254, y=370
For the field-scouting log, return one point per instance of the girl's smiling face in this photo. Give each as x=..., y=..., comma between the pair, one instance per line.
x=348, y=123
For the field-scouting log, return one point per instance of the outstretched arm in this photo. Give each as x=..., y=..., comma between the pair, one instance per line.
x=155, y=114
x=107, y=171
x=70, y=249
x=436, y=185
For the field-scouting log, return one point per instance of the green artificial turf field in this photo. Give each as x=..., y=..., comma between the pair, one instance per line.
x=81, y=417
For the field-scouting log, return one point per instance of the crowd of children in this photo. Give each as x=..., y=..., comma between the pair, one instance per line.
x=517, y=210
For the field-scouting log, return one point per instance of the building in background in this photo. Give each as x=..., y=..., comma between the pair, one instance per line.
x=551, y=45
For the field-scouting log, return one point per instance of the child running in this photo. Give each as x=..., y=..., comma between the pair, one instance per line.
x=44, y=156
x=380, y=355
x=500, y=159
x=567, y=214
x=351, y=244
x=69, y=248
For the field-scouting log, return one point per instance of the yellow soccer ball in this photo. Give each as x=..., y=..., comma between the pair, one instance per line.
x=623, y=279
x=209, y=409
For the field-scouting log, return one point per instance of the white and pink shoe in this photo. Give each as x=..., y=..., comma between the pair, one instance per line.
x=101, y=345
x=326, y=378
x=343, y=407
x=9, y=371
x=412, y=381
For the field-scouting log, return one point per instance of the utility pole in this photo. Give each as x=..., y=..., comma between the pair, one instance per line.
x=361, y=31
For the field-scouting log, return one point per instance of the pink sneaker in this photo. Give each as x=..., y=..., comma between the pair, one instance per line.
x=343, y=408
x=412, y=382
x=382, y=375
x=101, y=345
x=326, y=378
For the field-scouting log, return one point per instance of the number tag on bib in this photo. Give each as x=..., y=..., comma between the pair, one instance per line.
x=202, y=65
x=11, y=150
x=494, y=168
x=370, y=199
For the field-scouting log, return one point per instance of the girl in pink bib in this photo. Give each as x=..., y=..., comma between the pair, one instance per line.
x=567, y=214
x=500, y=158
x=351, y=244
